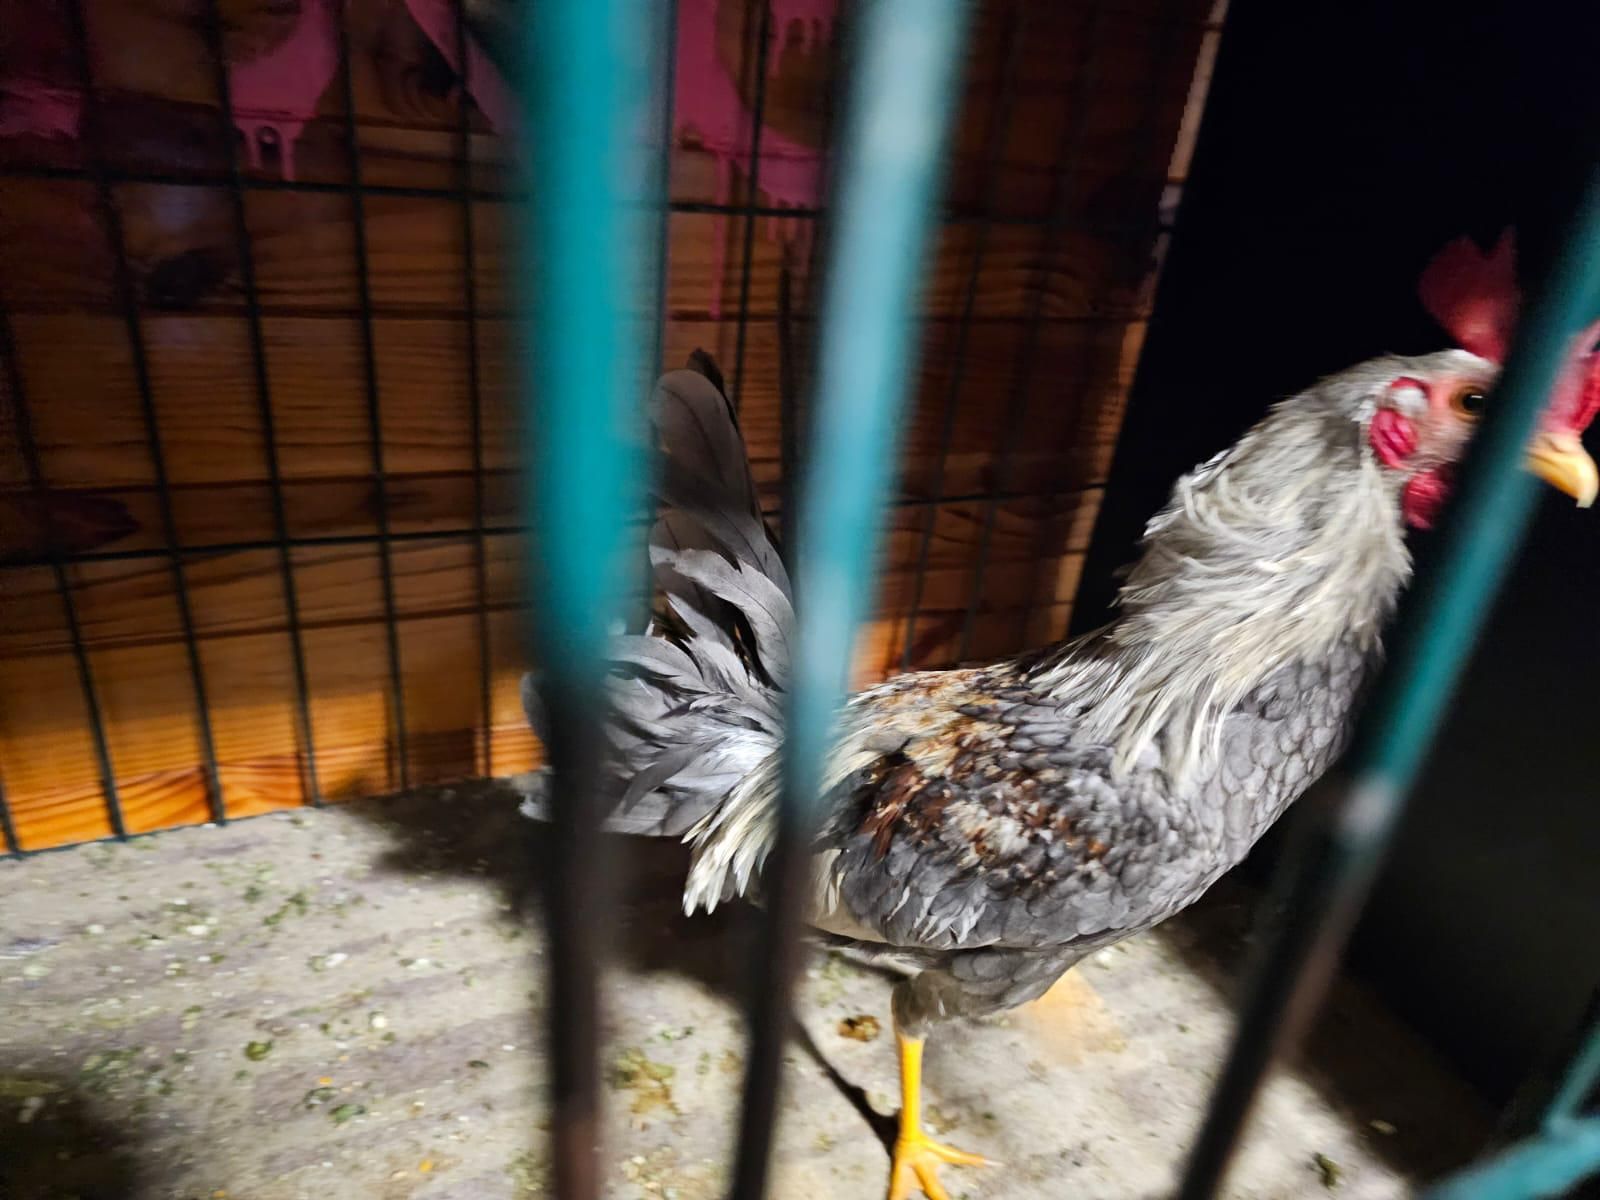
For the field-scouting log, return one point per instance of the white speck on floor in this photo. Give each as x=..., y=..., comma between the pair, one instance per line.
x=347, y=998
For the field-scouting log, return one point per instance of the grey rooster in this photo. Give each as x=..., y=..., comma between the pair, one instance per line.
x=988, y=827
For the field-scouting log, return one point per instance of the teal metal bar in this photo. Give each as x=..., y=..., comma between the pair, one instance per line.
x=1561, y=1154
x=902, y=83
x=1580, y=1082
x=1350, y=820
x=583, y=260
x=1548, y=1165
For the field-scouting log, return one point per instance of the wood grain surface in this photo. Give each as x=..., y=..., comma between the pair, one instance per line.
x=1044, y=307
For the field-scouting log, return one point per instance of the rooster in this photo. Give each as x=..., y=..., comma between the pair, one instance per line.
x=988, y=827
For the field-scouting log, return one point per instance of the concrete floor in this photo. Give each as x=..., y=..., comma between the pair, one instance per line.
x=344, y=1002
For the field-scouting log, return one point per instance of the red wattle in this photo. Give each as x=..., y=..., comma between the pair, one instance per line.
x=1423, y=496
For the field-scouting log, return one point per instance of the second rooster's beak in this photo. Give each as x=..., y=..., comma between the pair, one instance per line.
x=1561, y=461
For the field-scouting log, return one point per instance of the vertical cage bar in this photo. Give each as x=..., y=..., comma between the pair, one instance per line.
x=13, y=848
x=1562, y=1152
x=469, y=300
x=1537, y=1097
x=752, y=181
x=69, y=607
x=1579, y=1082
x=664, y=66
x=245, y=252
x=583, y=258
x=1352, y=818
x=128, y=303
x=1542, y=1168
x=788, y=409
x=1141, y=233
x=668, y=46
x=998, y=130
x=904, y=76
x=1060, y=206
x=369, y=364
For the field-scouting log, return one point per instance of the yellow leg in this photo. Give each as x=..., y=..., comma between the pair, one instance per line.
x=916, y=1155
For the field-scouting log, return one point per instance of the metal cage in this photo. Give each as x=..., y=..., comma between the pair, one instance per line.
x=893, y=129
x=591, y=247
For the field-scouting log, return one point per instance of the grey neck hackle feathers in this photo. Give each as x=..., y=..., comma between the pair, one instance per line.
x=989, y=825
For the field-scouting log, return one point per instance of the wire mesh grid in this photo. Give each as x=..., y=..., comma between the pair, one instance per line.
x=943, y=601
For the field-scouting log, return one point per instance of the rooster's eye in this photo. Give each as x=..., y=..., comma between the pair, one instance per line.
x=1468, y=402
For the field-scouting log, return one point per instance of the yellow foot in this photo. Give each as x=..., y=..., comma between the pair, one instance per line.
x=916, y=1165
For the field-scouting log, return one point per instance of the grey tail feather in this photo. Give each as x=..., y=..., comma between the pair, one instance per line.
x=695, y=700
x=533, y=706
x=535, y=790
x=701, y=361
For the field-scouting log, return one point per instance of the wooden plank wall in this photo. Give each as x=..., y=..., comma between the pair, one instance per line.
x=1109, y=82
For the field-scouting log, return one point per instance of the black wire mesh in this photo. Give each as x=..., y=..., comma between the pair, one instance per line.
x=369, y=367
x=8, y=830
x=1060, y=209
x=466, y=190
x=128, y=303
x=952, y=214
x=469, y=299
x=263, y=387
x=1003, y=105
x=1148, y=142
x=761, y=23
x=23, y=425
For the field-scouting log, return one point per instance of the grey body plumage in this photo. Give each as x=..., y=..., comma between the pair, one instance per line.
x=988, y=827
x=1029, y=852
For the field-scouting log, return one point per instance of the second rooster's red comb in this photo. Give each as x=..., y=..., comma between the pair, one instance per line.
x=1475, y=297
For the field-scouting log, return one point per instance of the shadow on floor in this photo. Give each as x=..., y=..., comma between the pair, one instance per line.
x=59, y=1148
x=1423, y=1132
x=474, y=829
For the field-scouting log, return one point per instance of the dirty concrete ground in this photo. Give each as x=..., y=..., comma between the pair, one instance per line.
x=346, y=1001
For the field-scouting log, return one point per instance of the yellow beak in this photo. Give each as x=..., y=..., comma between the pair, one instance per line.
x=1561, y=461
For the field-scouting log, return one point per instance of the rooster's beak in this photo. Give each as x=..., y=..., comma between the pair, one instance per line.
x=1561, y=461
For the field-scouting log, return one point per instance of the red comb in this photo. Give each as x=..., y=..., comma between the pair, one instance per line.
x=1475, y=297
